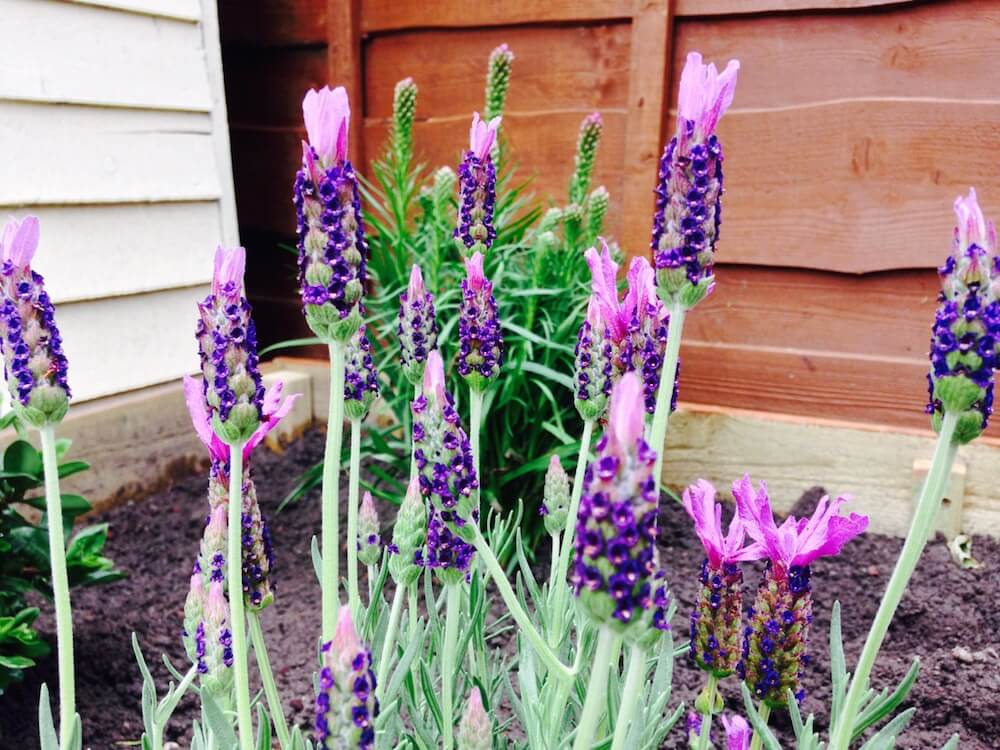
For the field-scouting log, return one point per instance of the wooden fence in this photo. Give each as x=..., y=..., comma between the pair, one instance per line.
x=856, y=123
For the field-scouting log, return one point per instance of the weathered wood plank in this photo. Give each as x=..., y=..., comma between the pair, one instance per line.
x=390, y=15
x=265, y=86
x=555, y=67
x=728, y=7
x=273, y=23
x=184, y=10
x=343, y=40
x=644, y=130
x=82, y=155
x=854, y=186
x=59, y=52
x=907, y=51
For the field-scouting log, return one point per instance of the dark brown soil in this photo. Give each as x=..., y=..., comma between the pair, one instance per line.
x=950, y=618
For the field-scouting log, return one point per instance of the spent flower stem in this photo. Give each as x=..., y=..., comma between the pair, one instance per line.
x=597, y=688
x=237, y=617
x=353, y=488
x=267, y=680
x=331, y=493
x=668, y=373
x=635, y=678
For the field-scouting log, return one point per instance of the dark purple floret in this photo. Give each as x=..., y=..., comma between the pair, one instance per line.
x=477, y=186
x=480, y=352
x=361, y=386
x=417, y=328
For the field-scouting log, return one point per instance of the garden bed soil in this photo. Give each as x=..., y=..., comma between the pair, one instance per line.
x=950, y=618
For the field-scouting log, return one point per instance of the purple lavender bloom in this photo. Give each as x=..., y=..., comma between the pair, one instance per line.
x=718, y=610
x=331, y=234
x=477, y=179
x=593, y=369
x=615, y=572
x=689, y=186
x=360, y=377
x=775, y=642
x=32, y=346
x=227, y=346
x=738, y=732
x=480, y=353
x=965, y=339
x=346, y=706
x=417, y=328
x=446, y=474
x=369, y=540
x=212, y=640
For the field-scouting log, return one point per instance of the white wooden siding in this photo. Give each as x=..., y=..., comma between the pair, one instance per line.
x=113, y=131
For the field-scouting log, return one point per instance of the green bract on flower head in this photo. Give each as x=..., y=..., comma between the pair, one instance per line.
x=555, y=503
x=369, y=542
x=408, y=536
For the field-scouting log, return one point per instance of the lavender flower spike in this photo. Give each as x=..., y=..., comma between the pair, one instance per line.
x=615, y=574
x=593, y=366
x=774, y=645
x=738, y=732
x=555, y=505
x=475, y=729
x=408, y=536
x=718, y=611
x=214, y=643
x=477, y=178
x=346, y=706
x=32, y=346
x=480, y=352
x=446, y=474
x=417, y=327
x=369, y=542
x=689, y=186
x=331, y=234
x=965, y=340
x=360, y=377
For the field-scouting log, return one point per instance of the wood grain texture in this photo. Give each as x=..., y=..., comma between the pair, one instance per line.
x=555, y=67
x=732, y=7
x=60, y=52
x=268, y=23
x=854, y=186
x=343, y=48
x=648, y=77
x=390, y=15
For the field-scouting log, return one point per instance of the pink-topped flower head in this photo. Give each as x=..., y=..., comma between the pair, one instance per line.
x=972, y=227
x=230, y=265
x=626, y=415
x=346, y=643
x=327, y=115
x=474, y=272
x=737, y=732
x=699, y=502
x=434, y=378
x=797, y=542
x=640, y=297
x=705, y=94
x=475, y=728
x=482, y=135
x=19, y=241
x=604, y=284
x=415, y=290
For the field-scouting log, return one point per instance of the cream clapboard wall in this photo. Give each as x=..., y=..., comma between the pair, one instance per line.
x=113, y=131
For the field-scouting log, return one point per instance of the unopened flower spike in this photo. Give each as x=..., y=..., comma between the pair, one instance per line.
x=966, y=335
x=616, y=574
x=556, y=495
x=774, y=656
x=227, y=344
x=586, y=154
x=404, y=108
x=360, y=377
x=408, y=536
x=213, y=641
x=369, y=542
x=593, y=369
x=446, y=475
x=32, y=345
x=597, y=209
x=475, y=729
x=689, y=185
x=417, y=329
x=738, y=732
x=331, y=234
x=346, y=706
x=718, y=611
x=498, y=80
x=480, y=353
x=477, y=185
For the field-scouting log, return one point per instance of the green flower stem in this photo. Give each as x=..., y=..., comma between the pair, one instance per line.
x=267, y=680
x=665, y=394
x=597, y=688
x=916, y=539
x=331, y=493
x=417, y=390
x=237, y=617
x=353, y=481
x=412, y=602
x=764, y=712
x=166, y=709
x=554, y=562
x=60, y=585
x=390, y=641
x=453, y=612
x=523, y=620
x=705, y=737
x=475, y=423
x=635, y=678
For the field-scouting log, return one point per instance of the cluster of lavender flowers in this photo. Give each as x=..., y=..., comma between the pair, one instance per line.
x=480, y=352
x=360, y=376
x=689, y=188
x=408, y=537
x=417, y=329
x=477, y=180
x=965, y=340
x=346, y=706
x=31, y=343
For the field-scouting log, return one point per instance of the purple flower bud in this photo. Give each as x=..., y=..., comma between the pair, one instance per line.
x=417, y=328
x=346, y=706
x=477, y=176
x=369, y=542
x=738, y=732
x=480, y=352
x=360, y=377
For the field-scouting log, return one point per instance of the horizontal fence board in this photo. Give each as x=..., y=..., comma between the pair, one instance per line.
x=124, y=343
x=391, y=15
x=185, y=10
x=60, y=52
x=854, y=186
x=728, y=7
x=62, y=154
x=265, y=86
x=273, y=22
x=91, y=252
x=555, y=67
x=931, y=48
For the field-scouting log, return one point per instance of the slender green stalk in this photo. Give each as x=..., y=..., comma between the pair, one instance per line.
x=388, y=646
x=267, y=680
x=665, y=394
x=60, y=585
x=758, y=740
x=523, y=620
x=412, y=602
x=475, y=424
x=166, y=709
x=635, y=678
x=916, y=539
x=554, y=562
x=331, y=493
x=237, y=617
x=453, y=611
x=597, y=688
x=353, y=482
x=704, y=738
